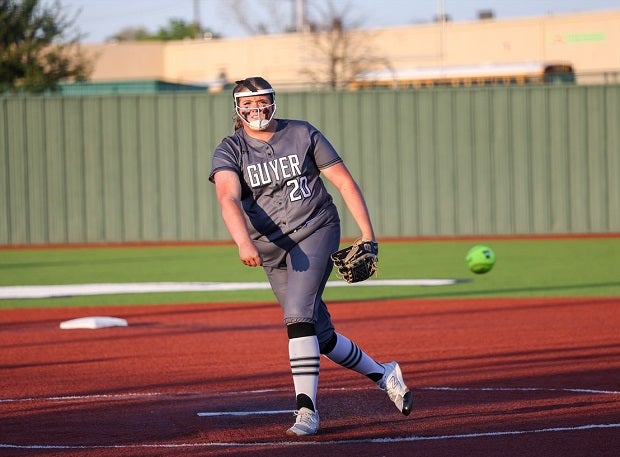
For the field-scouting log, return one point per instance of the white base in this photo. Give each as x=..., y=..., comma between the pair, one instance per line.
x=93, y=322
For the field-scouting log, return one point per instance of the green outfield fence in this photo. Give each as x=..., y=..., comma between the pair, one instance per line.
x=445, y=162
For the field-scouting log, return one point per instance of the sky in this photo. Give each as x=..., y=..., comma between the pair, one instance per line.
x=100, y=19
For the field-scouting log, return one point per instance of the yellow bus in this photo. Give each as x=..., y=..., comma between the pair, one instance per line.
x=465, y=76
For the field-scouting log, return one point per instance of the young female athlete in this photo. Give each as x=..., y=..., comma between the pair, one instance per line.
x=280, y=215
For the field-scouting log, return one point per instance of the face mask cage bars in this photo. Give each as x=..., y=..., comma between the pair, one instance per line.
x=259, y=124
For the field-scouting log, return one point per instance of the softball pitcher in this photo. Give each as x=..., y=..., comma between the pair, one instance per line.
x=267, y=176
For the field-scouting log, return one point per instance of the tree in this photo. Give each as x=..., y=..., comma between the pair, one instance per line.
x=340, y=49
x=131, y=34
x=260, y=17
x=39, y=47
x=176, y=29
x=336, y=45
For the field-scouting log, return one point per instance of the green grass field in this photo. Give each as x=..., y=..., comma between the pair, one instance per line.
x=525, y=268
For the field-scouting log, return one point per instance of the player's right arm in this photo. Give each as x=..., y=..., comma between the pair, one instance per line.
x=228, y=190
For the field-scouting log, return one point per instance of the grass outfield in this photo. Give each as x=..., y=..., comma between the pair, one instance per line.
x=525, y=268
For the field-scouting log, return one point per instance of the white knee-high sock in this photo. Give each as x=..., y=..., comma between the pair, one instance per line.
x=349, y=355
x=305, y=355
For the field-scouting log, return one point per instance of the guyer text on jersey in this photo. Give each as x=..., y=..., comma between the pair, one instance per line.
x=264, y=173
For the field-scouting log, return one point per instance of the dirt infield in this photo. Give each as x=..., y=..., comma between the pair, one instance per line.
x=489, y=377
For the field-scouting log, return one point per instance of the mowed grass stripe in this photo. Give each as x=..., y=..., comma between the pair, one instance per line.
x=525, y=268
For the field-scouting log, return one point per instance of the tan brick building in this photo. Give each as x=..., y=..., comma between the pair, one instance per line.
x=589, y=41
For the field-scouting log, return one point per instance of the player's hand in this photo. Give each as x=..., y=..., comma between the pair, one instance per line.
x=249, y=255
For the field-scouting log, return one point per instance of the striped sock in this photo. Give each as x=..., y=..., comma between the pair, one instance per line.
x=347, y=354
x=305, y=359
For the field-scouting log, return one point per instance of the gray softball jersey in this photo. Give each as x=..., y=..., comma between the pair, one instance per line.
x=281, y=188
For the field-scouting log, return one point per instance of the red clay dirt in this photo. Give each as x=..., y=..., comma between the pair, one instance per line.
x=489, y=376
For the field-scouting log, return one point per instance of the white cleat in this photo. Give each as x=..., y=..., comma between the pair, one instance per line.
x=394, y=385
x=307, y=423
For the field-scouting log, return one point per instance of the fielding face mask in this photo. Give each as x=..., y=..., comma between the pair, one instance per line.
x=244, y=113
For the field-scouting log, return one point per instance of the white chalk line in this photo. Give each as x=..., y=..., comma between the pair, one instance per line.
x=526, y=389
x=137, y=395
x=70, y=290
x=132, y=395
x=176, y=395
x=245, y=413
x=93, y=397
x=319, y=443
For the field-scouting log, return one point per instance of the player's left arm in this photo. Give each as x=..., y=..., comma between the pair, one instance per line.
x=339, y=175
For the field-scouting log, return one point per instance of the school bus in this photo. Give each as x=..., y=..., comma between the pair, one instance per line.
x=465, y=76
